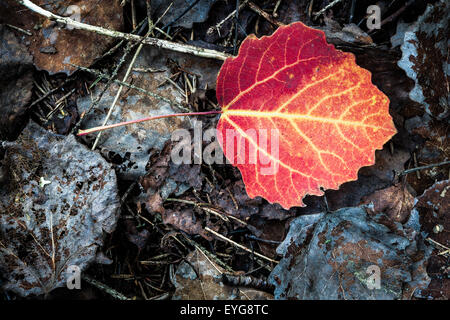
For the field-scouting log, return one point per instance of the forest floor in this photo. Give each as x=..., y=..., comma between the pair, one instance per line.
x=178, y=231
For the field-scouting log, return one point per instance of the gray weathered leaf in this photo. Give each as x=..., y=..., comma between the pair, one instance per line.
x=426, y=60
x=326, y=256
x=59, y=200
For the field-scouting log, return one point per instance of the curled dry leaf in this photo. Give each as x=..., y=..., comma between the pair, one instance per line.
x=59, y=200
x=328, y=116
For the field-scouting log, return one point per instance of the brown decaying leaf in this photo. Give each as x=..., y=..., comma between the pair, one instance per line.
x=75, y=46
x=205, y=282
x=434, y=208
x=185, y=220
x=396, y=202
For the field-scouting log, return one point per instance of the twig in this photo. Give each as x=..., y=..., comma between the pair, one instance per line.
x=201, y=206
x=209, y=254
x=116, y=98
x=149, y=13
x=164, y=44
x=224, y=216
x=274, y=13
x=240, y=246
x=231, y=15
x=424, y=167
x=48, y=93
x=264, y=14
x=246, y=281
x=105, y=288
x=182, y=14
x=110, y=80
x=151, y=94
x=236, y=31
x=447, y=250
x=326, y=8
x=58, y=103
x=127, y=74
x=28, y=33
x=397, y=13
x=252, y=237
x=352, y=11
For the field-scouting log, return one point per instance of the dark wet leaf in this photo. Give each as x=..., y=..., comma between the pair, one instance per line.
x=178, y=15
x=16, y=82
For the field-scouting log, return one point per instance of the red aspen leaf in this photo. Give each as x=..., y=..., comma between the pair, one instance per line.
x=329, y=116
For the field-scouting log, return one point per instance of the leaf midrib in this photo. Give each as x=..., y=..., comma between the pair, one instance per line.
x=288, y=117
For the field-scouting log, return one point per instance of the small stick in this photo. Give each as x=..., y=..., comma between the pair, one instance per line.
x=28, y=33
x=48, y=93
x=352, y=11
x=164, y=44
x=209, y=254
x=447, y=250
x=151, y=94
x=396, y=14
x=201, y=206
x=176, y=86
x=127, y=74
x=209, y=210
x=133, y=14
x=58, y=103
x=149, y=13
x=252, y=237
x=416, y=165
x=104, y=288
x=274, y=13
x=240, y=246
x=231, y=15
x=128, y=49
x=264, y=14
x=236, y=31
x=424, y=167
x=326, y=8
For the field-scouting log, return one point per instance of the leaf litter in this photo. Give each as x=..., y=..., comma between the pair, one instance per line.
x=166, y=209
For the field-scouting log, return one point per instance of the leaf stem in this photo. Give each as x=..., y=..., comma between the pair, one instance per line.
x=120, y=124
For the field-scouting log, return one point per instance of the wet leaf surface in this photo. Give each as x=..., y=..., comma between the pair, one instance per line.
x=331, y=262
x=179, y=16
x=396, y=202
x=49, y=42
x=16, y=82
x=59, y=200
x=425, y=47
